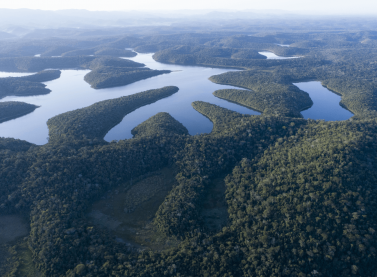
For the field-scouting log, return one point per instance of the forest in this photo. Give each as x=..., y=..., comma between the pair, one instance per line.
x=289, y=196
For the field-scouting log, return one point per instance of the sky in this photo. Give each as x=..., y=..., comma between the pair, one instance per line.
x=311, y=6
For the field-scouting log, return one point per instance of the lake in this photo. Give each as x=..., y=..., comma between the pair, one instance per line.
x=325, y=103
x=71, y=92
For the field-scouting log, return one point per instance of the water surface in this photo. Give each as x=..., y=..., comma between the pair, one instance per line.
x=273, y=56
x=71, y=92
x=325, y=103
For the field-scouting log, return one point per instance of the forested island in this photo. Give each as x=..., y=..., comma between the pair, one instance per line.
x=106, y=77
x=27, y=85
x=13, y=109
x=267, y=195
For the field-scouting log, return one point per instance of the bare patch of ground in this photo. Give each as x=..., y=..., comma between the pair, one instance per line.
x=128, y=211
x=215, y=209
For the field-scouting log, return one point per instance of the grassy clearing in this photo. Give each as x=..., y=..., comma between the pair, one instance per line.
x=127, y=211
x=15, y=256
x=26, y=267
x=12, y=227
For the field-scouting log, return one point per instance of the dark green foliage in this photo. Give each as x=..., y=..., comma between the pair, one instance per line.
x=357, y=95
x=266, y=43
x=12, y=109
x=300, y=194
x=113, y=62
x=36, y=64
x=293, y=181
x=100, y=51
x=220, y=117
x=106, y=77
x=162, y=123
x=14, y=144
x=307, y=204
x=17, y=87
x=43, y=76
x=27, y=85
x=95, y=121
x=204, y=157
x=238, y=58
x=271, y=98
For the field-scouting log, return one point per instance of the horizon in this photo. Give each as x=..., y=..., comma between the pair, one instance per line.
x=319, y=7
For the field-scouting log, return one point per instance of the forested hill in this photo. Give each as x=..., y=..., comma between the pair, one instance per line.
x=267, y=195
x=295, y=201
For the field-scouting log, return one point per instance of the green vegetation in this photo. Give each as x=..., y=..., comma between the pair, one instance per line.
x=275, y=98
x=132, y=208
x=27, y=85
x=17, y=87
x=20, y=261
x=95, y=121
x=112, y=72
x=162, y=123
x=15, y=145
x=12, y=109
x=35, y=64
x=97, y=51
x=227, y=57
x=294, y=199
x=112, y=62
x=106, y=77
x=269, y=195
x=43, y=76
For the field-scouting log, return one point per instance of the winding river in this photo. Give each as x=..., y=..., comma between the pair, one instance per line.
x=71, y=92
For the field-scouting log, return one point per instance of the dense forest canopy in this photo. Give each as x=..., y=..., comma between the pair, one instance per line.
x=291, y=197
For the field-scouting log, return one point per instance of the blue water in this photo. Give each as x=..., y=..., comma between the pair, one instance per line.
x=71, y=92
x=325, y=103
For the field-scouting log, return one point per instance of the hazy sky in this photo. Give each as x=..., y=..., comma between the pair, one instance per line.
x=326, y=6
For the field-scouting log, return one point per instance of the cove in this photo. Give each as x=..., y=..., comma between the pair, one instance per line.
x=71, y=92
x=325, y=103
